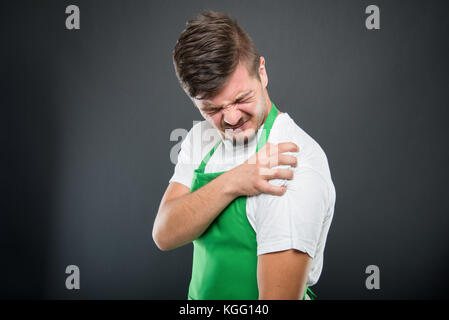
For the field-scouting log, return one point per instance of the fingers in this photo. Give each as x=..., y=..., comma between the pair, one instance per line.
x=287, y=147
x=271, y=150
x=272, y=155
x=284, y=159
x=278, y=160
x=272, y=189
x=276, y=173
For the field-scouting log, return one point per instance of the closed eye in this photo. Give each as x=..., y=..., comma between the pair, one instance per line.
x=244, y=101
x=212, y=111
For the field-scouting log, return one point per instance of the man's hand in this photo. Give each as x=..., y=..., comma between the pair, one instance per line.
x=183, y=215
x=251, y=178
x=282, y=275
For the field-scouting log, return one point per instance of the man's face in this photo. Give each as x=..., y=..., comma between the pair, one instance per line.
x=239, y=109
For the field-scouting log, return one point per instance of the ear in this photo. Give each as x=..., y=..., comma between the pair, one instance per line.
x=263, y=72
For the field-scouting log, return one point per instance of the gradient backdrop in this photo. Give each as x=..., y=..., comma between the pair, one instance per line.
x=87, y=117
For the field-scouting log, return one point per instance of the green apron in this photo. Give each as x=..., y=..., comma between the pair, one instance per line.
x=225, y=255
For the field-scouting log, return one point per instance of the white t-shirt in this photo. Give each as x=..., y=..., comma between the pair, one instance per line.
x=299, y=219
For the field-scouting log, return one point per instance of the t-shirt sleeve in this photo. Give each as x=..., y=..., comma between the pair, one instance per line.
x=183, y=172
x=295, y=219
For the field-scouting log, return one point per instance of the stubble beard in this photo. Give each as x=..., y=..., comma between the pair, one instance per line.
x=251, y=133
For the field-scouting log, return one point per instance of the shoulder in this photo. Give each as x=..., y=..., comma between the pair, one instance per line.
x=286, y=129
x=312, y=171
x=199, y=139
x=199, y=130
x=311, y=155
x=295, y=219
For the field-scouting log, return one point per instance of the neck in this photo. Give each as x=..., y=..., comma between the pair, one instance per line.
x=269, y=105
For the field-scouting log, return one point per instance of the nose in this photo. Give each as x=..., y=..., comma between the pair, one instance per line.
x=232, y=115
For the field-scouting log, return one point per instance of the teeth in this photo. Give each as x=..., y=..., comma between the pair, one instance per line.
x=239, y=125
x=235, y=128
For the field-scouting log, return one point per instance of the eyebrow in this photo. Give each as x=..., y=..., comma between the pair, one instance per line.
x=241, y=96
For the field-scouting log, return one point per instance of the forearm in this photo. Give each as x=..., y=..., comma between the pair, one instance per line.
x=183, y=219
x=282, y=275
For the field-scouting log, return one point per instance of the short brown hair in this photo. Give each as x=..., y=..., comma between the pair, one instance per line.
x=208, y=52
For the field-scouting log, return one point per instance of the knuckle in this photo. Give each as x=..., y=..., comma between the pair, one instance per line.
x=268, y=146
x=265, y=162
x=295, y=161
x=262, y=171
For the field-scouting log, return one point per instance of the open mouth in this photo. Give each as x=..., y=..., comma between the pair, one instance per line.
x=239, y=127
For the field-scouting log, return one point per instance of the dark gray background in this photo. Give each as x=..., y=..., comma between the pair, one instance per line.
x=87, y=117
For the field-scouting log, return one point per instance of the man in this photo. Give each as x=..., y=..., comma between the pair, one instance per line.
x=251, y=189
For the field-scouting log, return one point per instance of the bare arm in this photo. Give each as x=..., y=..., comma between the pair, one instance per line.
x=183, y=216
x=282, y=275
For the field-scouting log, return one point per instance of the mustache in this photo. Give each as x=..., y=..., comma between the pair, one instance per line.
x=236, y=126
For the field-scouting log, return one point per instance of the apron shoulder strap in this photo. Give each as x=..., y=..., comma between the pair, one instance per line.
x=267, y=127
x=203, y=163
